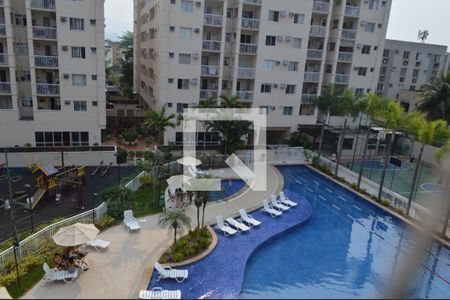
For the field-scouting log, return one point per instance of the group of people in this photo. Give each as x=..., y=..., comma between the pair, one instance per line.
x=72, y=258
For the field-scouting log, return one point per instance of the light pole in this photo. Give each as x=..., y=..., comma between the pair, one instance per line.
x=94, y=195
x=118, y=169
x=27, y=188
x=155, y=174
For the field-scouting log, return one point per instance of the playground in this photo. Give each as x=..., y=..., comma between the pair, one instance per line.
x=56, y=192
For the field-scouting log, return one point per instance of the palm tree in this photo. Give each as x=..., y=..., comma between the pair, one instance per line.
x=362, y=106
x=176, y=220
x=428, y=133
x=347, y=106
x=325, y=102
x=207, y=104
x=435, y=99
x=439, y=156
x=156, y=123
x=203, y=196
x=198, y=201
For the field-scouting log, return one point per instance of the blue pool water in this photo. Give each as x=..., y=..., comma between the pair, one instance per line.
x=378, y=165
x=332, y=245
x=227, y=189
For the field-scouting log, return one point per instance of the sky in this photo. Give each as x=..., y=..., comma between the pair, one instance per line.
x=407, y=17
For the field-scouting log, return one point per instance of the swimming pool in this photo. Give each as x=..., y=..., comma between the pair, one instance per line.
x=333, y=245
x=229, y=187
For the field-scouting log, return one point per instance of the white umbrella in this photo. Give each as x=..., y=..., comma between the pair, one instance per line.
x=4, y=293
x=75, y=235
x=189, y=161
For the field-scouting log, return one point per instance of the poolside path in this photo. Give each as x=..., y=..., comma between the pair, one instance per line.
x=125, y=267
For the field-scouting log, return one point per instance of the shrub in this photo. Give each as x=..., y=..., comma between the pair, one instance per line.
x=354, y=186
x=130, y=135
x=118, y=199
x=341, y=179
x=139, y=154
x=122, y=155
x=119, y=142
x=131, y=153
x=145, y=180
x=364, y=191
x=105, y=222
x=385, y=202
x=149, y=141
x=373, y=197
x=30, y=262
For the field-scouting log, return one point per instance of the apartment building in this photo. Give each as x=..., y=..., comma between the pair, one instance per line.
x=276, y=55
x=406, y=67
x=52, y=72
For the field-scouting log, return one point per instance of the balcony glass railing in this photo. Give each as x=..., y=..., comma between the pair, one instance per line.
x=208, y=70
x=46, y=61
x=211, y=45
x=352, y=11
x=214, y=20
x=248, y=48
x=44, y=4
x=245, y=95
x=314, y=54
x=44, y=32
x=5, y=88
x=2, y=30
x=47, y=89
x=320, y=6
x=3, y=58
x=250, y=23
x=246, y=72
x=312, y=76
x=309, y=98
x=345, y=56
x=342, y=78
x=254, y=2
x=318, y=30
x=349, y=33
x=207, y=94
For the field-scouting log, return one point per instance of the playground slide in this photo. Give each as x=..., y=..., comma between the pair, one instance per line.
x=106, y=170
x=97, y=169
x=38, y=196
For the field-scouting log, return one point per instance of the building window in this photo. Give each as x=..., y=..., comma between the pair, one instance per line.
x=185, y=33
x=58, y=139
x=365, y=49
x=290, y=89
x=329, y=68
x=94, y=77
x=264, y=109
x=183, y=84
x=403, y=72
x=348, y=144
x=94, y=103
x=226, y=61
x=93, y=22
x=170, y=80
x=370, y=27
x=415, y=73
x=181, y=107
x=386, y=53
x=79, y=105
x=274, y=15
x=79, y=52
x=187, y=6
x=296, y=43
x=293, y=66
x=271, y=40
x=437, y=58
x=184, y=59
x=172, y=28
x=22, y=49
x=94, y=50
x=362, y=71
x=76, y=24
x=79, y=79
x=287, y=110
x=171, y=55
x=268, y=64
x=406, y=55
x=419, y=56
x=373, y=4
x=299, y=18
x=412, y=87
x=266, y=88
x=359, y=92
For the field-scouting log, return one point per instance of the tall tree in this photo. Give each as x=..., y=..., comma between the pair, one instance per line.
x=126, y=63
x=156, y=123
x=174, y=219
x=435, y=99
x=326, y=102
x=427, y=133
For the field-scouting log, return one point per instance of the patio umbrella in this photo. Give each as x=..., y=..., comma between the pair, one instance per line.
x=4, y=293
x=75, y=235
x=189, y=161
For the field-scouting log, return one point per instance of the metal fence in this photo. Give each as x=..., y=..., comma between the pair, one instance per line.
x=37, y=241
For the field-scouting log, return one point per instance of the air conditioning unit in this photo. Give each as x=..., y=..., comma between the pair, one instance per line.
x=67, y=102
x=197, y=30
x=280, y=38
x=272, y=108
x=277, y=62
x=65, y=48
x=363, y=23
x=291, y=14
x=198, y=3
x=66, y=76
x=359, y=46
x=282, y=85
x=355, y=68
x=195, y=55
x=385, y=61
x=283, y=13
x=405, y=62
x=194, y=81
x=288, y=38
x=64, y=19
x=418, y=63
x=275, y=85
x=285, y=62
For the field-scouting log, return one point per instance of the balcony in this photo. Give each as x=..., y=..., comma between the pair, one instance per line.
x=210, y=45
x=5, y=88
x=309, y=98
x=248, y=48
x=321, y=7
x=252, y=24
x=2, y=2
x=312, y=76
x=2, y=30
x=352, y=11
x=252, y=2
x=213, y=20
x=314, y=54
x=318, y=31
x=47, y=89
x=46, y=61
x=248, y=73
x=207, y=94
x=43, y=4
x=3, y=58
x=349, y=34
x=41, y=32
x=342, y=78
x=208, y=70
x=245, y=95
x=345, y=56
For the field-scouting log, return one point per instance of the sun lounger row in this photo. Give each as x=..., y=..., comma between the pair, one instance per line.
x=277, y=206
x=165, y=272
x=233, y=226
x=159, y=293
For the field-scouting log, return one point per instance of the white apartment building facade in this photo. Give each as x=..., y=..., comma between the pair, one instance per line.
x=406, y=67
x=52, y=72
x=276, y=55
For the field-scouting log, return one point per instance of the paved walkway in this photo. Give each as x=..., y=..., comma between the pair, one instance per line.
x=125, y=267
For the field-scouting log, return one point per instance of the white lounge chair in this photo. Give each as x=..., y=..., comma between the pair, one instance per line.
x=130, y=221
x=238, y=225
x=168, y=272
x=247, y=218
x=286, y=201
x=66, y=276
x=159, y=293
x=277, y=204
x=270, y=210
x=198, y=171
x=98, y=244
x=227, y=230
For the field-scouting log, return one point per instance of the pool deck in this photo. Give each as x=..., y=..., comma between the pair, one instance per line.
x=126, y=266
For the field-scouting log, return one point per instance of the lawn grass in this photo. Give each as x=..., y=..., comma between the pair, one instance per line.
x=145, y=202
